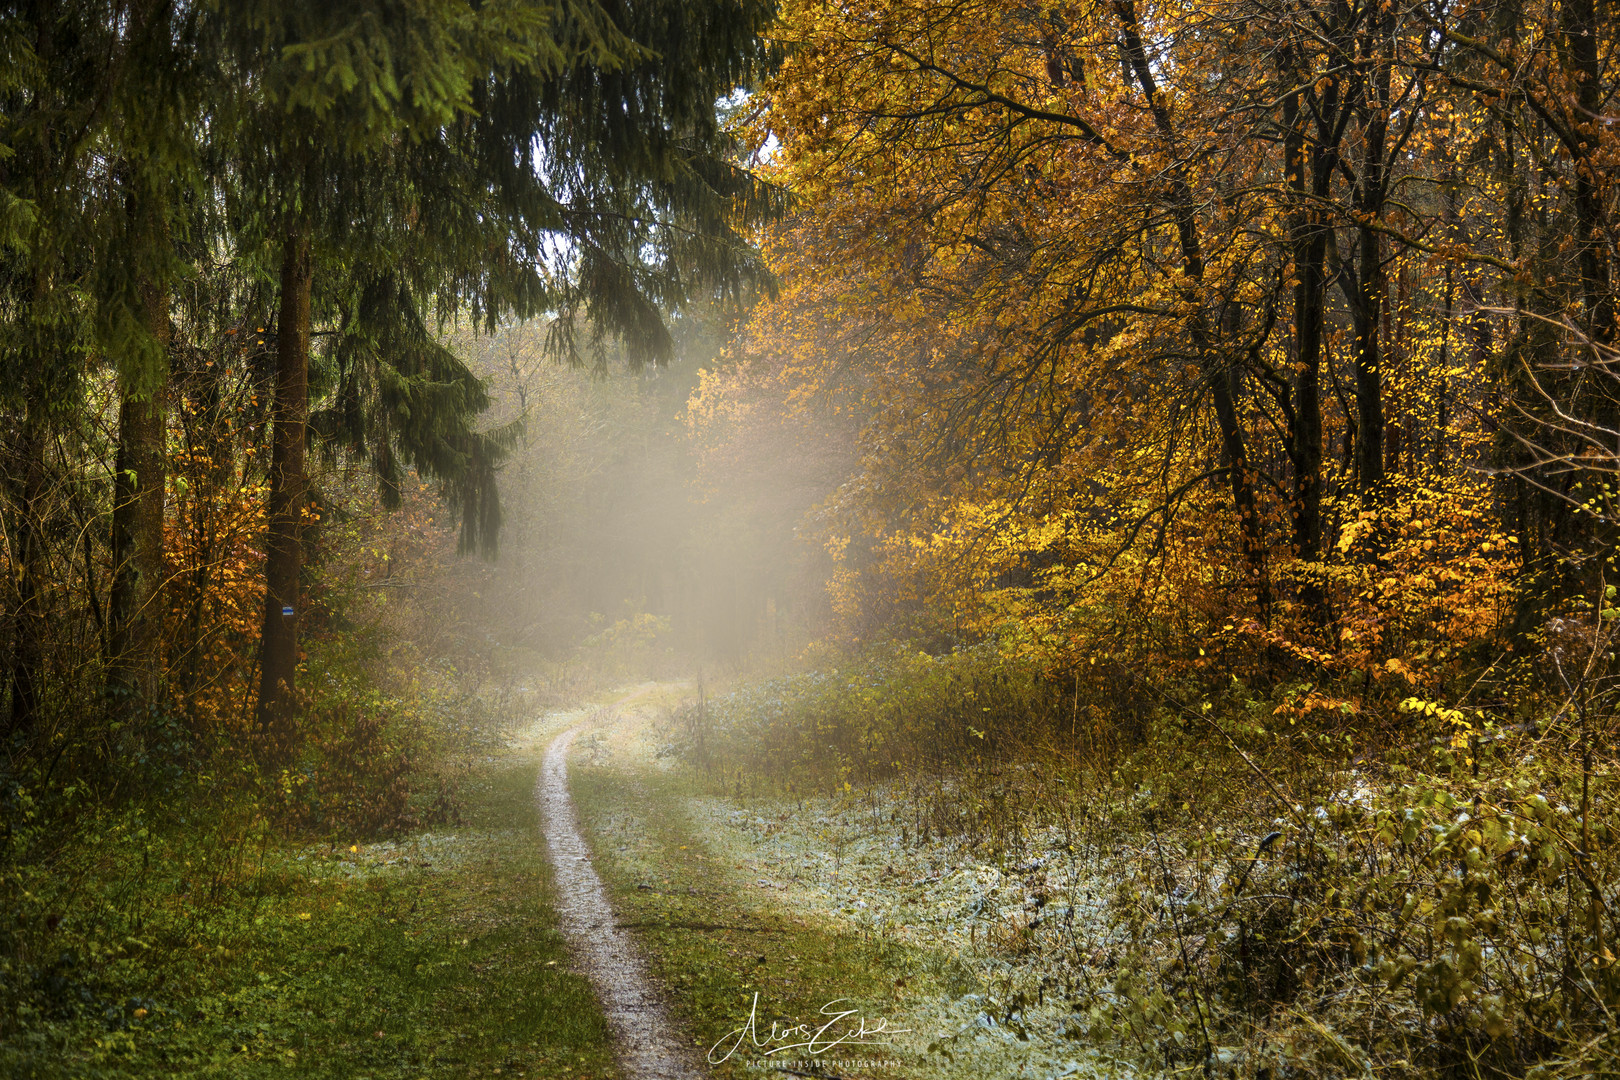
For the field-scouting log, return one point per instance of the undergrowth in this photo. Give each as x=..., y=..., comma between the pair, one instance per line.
x=1301, y=894
x=893, y=712
x=163, y=943
x=216, y=911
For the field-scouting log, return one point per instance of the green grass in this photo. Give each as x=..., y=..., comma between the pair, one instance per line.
x=294, y=968
x=710, y=941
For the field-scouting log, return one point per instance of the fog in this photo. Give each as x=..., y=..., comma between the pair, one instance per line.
x=634, y=539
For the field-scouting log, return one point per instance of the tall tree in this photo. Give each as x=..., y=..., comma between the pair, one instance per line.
x=511, y=159
x=157, y=147
x=1137, y=248
x=53, y=98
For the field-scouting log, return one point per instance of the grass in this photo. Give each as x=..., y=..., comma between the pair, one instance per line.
x=315, y=962
x=714, y=942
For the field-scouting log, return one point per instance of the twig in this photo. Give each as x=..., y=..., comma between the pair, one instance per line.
x=1186, y=960
x=1288, y=804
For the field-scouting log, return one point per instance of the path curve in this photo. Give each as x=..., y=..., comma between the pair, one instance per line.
x=648, y=1048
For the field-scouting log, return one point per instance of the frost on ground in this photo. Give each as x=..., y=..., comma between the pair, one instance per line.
x=1027, y=934
x=1016, y=928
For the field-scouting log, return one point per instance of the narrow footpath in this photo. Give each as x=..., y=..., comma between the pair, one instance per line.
x=647, y=1045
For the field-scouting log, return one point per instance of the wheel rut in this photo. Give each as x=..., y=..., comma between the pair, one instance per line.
x=648, y=1046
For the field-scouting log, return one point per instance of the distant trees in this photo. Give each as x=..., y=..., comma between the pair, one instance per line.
x=246, y=223
x=612, y=524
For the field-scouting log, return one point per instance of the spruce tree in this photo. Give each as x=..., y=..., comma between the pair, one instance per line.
x=53, y=93
x=154, y=134
x=412, y=159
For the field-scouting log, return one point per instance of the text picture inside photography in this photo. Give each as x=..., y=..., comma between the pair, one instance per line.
x=834, y=1028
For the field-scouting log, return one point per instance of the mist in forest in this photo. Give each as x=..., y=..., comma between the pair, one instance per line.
x=630, y=542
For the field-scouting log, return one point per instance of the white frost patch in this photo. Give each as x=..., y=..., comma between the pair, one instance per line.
x=1018, y=931
x=832, y=859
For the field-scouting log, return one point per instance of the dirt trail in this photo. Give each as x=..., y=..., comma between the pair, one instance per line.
x=648, y=1045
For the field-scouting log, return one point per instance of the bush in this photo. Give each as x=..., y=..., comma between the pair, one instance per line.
x=1306, y=881
x=881, y=715
x=1430, y=922
x=355, y=776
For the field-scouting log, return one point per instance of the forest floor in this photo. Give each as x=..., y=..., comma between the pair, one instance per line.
x=819, y=935
x=647, y=1045
x=186, y=953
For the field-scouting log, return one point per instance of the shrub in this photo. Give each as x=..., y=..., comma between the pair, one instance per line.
x=888, y=712
x=1430, y=922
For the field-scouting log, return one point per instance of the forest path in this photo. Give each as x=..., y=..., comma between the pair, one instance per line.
x=647, y=1043
x=759, y=902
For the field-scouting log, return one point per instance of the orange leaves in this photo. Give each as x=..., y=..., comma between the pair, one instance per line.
x=216, y=589
x=1048, y=333
x=1299, y=705
x=1396, y=666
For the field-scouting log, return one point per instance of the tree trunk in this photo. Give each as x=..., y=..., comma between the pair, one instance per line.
x=1367, y=314
x=1308, y=163
x=1215, y=368
x=25, y=665
x=284, y=552
x=135, y=613
x=1307, y=433
x=1310, y=254
x=1581, y=33
x=1235, y=456
x=1392, y=354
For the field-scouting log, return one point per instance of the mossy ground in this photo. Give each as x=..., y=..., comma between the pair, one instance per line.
x=315, y=963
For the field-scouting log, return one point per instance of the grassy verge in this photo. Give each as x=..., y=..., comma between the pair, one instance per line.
x=1230, y=881
x=434, y=958
x=715, y=941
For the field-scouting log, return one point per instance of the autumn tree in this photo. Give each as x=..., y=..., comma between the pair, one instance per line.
x=1075, y=265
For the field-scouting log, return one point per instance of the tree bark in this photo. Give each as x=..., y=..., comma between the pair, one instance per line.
x=1235, y=456
x=284, y=551
x=1581, y=34
x=135, y=611
x=1309, y=256
x=1308, y=163
x=1366, y=315
x=25, y=665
